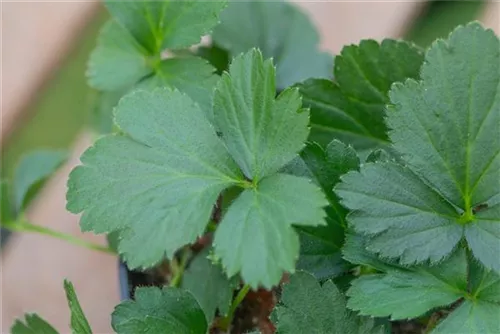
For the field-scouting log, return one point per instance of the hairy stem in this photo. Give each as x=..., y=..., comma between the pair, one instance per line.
x=25, y=226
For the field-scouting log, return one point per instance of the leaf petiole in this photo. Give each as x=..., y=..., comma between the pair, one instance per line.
x=22, y=225
x=226, y=321
x=178, y=267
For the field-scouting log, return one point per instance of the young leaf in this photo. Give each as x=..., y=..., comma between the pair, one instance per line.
x=209, y=285
x=79, y=323
x=409, y=293
x=320, y=246
x=158, y=182
x=154, y=310
x=118, y=61
x=282, y=31
x=261, y=133
x=446, y=129
x=31, y=172
x=166, y=24
x=34, y=325
x=308, y=307
x=352, y=107
x=256, y=236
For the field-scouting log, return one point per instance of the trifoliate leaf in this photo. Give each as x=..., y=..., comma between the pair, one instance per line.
x=261, y=133
x=209, y=285
x=308, y=307
x=256, y=235
x=352, y=107
x=166, y=24
x=446, y=128
x=320, y=246
x=31, y=172
x=33, y=325
x=169, y=310
x=282, y=31
x=79, y=323
x=118, y=61
x=158, y=181
x=412, y=292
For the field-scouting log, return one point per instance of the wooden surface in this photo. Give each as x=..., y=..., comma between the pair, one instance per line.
x=34, y=266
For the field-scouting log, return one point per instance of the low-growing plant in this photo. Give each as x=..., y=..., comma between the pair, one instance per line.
x=363, y=200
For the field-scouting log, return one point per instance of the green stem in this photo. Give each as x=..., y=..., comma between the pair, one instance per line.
x=226, y=321
x=24, y=226
x=178, y=268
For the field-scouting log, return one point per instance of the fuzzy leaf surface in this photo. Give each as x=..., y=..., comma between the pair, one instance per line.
x=158, y=25
x=209, y=285
x=154, y=310
x=261, y=133
x=352, y=107
x=157, y=182
x=308, y=307
x=282, y=32
x=256, y=235
x=446, y=128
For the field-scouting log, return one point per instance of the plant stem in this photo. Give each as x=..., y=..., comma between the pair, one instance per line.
x=24, y=226
x=178, y=268
x=226, y=321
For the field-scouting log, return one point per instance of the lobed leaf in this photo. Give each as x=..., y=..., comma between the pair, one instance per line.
x=261, y=133
x=445, y=128
x=256, y=236
x=154, y=310
x=157, y=182
x=352, y=107
x=158, y=25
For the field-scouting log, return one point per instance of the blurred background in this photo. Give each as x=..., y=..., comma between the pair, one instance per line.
x=46, y=103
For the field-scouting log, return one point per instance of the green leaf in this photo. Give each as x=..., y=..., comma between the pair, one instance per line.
x=418, y=224
x=34, y=325
x=169, y=310
x=261, y=133
x=102, y=113
x=471, y=318
x=479, y=313
x=352, y=107
x=308, y=307
x=118, y=61
x=79, y=323
x=32, y=171
x=412, y=292
x=354, y=251
x=190, y=75
x=209, y=285
x=256, y=237
x=446, y=129
x=320, y=246
x=218, y=57
x=158, y=25
x=157, y=182
x=282, y=31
